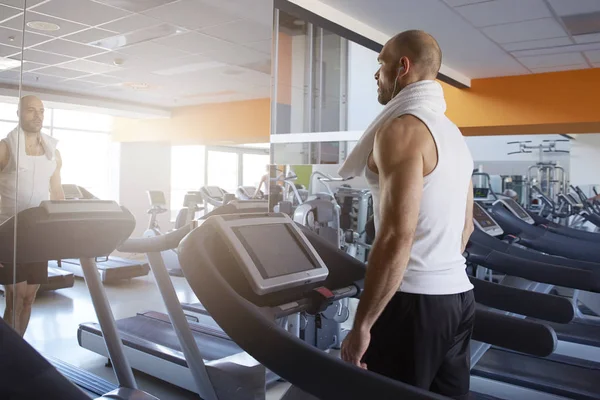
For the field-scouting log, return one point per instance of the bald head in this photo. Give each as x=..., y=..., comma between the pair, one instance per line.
x=408, y=57
x=31, y=114
x=421, y=49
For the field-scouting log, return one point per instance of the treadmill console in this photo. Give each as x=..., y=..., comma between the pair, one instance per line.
x=72, y=192
x=516, y=209
x=485, y=222
x=157, y=198
x=271, y=250
x=249, y=204
x=214, y=192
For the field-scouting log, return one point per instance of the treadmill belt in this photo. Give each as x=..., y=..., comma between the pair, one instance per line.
x=546, y=375
x=157, y=337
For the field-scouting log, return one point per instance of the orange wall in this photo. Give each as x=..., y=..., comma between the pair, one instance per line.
x=558, y=102
x=218, y=123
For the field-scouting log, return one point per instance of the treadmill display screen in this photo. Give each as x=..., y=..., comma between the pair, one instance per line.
x=214, y=192
x=157, y=197
x=480, y=193
x=517, y=208
x=275, y=249
x=484, y=220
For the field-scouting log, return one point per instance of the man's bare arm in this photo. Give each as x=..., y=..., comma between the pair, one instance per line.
x=3, y=155
x=468, y=229
x=399, y=159
x=56, y=190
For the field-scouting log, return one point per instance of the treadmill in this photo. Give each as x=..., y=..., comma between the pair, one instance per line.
x=246, y=295
x=151, y=339
x=111, y=268
x=573, y=371
x=215, y=197
x=25, y=374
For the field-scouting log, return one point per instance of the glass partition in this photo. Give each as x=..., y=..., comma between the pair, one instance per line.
x=141, y=103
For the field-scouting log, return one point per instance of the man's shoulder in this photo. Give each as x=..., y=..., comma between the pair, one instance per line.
x=406, y=130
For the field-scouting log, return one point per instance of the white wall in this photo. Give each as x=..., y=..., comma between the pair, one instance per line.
x=144, y=166
x=585, y=160
x=363, y=106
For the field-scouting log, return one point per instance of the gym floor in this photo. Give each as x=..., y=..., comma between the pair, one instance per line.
x=57, y=315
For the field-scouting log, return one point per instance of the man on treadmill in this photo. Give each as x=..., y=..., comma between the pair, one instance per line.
x=39, y=165
x=415, y=316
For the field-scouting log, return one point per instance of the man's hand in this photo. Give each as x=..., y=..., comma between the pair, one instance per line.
x=355, y=346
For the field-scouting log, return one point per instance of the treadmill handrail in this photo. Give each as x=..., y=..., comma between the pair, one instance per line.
x=527, y=336
x=537, y=271
x=158, y=243
x=542, y=306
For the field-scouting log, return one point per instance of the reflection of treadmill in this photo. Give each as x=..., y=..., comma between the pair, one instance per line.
x=560, y=374
x=151, y=342
x=110, y=268
x=215, y=197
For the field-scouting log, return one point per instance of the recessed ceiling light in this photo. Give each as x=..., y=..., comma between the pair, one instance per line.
x=8, y=63
x=43, y=26
x=136, y=85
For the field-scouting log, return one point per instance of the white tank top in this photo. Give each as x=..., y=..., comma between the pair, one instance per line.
x=34, y=175
x=436, y=265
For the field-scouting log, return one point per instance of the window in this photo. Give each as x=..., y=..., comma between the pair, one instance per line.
x=86, y=160
x=222, y=170
x=187, y=173
x=255, y=166
x=81, y=120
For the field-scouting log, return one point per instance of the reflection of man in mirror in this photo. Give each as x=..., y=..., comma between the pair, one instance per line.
x=39, y=179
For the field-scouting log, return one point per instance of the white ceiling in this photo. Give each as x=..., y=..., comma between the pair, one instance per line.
x=487, y=38
x=187, y=51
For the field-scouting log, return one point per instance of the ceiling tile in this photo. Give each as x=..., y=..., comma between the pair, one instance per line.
x=9, y=75
x=264, y=46
x=8, y=12
x=537, y=44
x=238, y=55
x=101, y=79
x=89, y=35
x=62, y=72
x=66, y=27
x=457, y=3
x=503, y=12
x=557, y=50
x=45, y=58
x=593, y=56
x=136, y=5
x=8, y=50
x=83, y=11
x=552, y=60
x=150, y=50
x=12, y=37
x=242, y=31
x=589, y=38
x=192, y=42
x=560, y=68
x=68, y=48
x=527, y=30
x=21, y=3
x=131, y=23
x=572, y=7
x=191, y=14
x=33, y=78
x=89, y=67
x=30, y=66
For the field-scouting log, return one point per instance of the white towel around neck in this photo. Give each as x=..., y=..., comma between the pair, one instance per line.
x=423, y=94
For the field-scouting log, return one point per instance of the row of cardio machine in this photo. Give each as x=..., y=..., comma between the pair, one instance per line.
x=255, y=274
x=234, y=264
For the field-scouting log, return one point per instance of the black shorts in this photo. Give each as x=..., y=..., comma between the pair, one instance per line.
x=423, y=340
x=33, y=273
